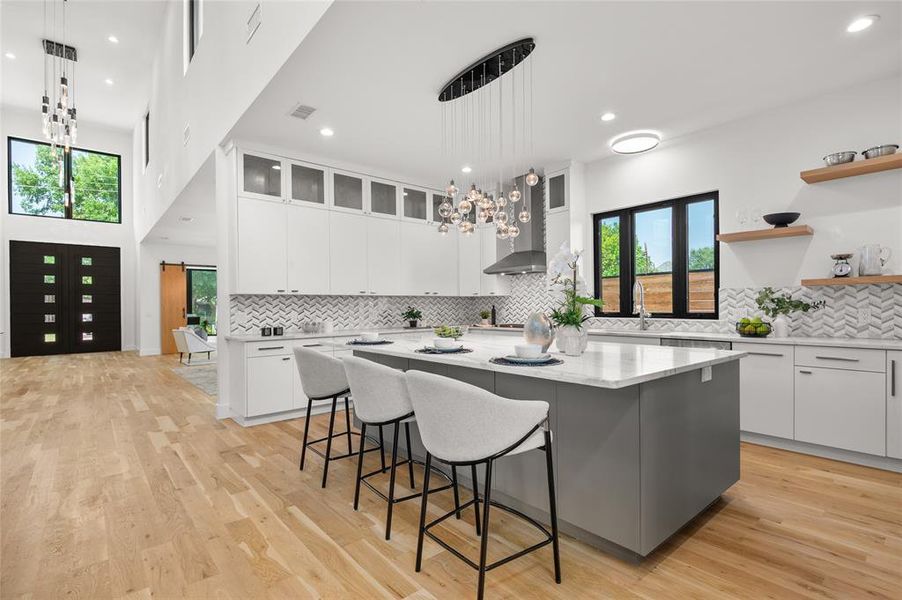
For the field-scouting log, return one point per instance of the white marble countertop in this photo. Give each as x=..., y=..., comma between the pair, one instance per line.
x=605, y=365
x=300, y=335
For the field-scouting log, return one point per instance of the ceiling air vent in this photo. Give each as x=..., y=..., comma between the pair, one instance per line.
x=302, y=111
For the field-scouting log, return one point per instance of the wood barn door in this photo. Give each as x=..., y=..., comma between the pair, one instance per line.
x=173, y=304
x=64, y=298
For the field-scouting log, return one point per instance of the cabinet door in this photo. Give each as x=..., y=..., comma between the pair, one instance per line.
x=383, y=255
x=437, y=199
x=558, y=191
x=261, y=176
x=415, y=204
x=347, y=253
x=766, y=389
x=307, y=239
x=347, y=191
x=383, y=198
x=490, y=285
x=269, y=385
x=261, y=247
x=308, y=184
x=469, y=253
x=415, y=259
x=894, y=404
x=443, y=269
x=842, y=409
x=557, y=231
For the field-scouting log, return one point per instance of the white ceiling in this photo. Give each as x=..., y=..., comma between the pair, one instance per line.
x=137, y=25
x=373, y=71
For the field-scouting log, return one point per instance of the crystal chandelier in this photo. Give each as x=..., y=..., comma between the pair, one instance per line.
x=476, y=119
x=59, y=120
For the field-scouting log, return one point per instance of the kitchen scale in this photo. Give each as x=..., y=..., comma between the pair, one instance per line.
x=841, y=268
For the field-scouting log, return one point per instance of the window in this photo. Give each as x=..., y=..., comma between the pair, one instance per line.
x=202, y=297
x=193, y=28
x=92, y=179
x=668, y=246
x=146, y=139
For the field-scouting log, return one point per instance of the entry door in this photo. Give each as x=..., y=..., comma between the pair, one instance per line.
x=173, y=304
x=64, y=298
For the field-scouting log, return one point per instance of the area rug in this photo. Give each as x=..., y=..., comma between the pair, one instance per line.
x=200, y=376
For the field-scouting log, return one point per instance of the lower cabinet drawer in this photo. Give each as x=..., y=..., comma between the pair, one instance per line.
x=857, y=359
x=842, y=409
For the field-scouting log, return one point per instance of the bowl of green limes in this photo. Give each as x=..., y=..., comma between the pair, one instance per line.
x=753, y=327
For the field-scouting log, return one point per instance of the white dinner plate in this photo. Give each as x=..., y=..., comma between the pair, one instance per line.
x=528, y=361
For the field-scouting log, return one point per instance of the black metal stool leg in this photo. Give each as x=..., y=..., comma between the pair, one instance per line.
x=422, y=529
x=552, y=504
x=475, y=497
x=391, y=481
x=306, y=431
x=359, y=465
x=348, y=424
x=484, y=546
x=413, y=485
x=456, y=492
x=329, y=440
x=382, y=447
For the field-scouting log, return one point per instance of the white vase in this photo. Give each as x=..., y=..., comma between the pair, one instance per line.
x=571, y=340
x=781, y=326
x=485, y=323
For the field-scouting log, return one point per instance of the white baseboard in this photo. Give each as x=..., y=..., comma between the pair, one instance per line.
x=149, y=352
x=867, y=460
x=282, y=416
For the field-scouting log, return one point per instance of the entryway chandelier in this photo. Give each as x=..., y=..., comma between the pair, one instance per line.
x=59, y=121
x=480, y=117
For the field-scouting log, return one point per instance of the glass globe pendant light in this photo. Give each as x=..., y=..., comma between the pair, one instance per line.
x=524, y=216
x=468, y=228
x=451, y=190
x=512, y=230
x=501, y=217
x=465, y=206
x=482, y=216
x=443, y=228
x=501, y=202
x=456, y=217
x=473, y=194
x=515, y=194
x=531, y=177
x=445, y=209
x=501, y=232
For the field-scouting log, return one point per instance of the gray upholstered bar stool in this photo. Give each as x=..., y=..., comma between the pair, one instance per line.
x=323, y=377
x=381, y=398
x=461, y=424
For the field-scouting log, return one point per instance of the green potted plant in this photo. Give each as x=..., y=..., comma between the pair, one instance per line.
x=779, y=307
x=484, y=315
x=569, y=316
x=412, y=315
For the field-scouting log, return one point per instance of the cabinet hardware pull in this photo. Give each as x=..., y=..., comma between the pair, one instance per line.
x=805, y=372
x=287, y=358
x=362, y=292
x=764, y=353
x=839, y=358
x=892, y=378
x=312, y=345
x=272, y=348
x=281, y=291
x=294, y=291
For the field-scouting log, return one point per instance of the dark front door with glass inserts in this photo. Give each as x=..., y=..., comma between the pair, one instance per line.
x=64, y=298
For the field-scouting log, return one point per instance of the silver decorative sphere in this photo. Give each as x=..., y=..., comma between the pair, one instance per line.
x=538, y=330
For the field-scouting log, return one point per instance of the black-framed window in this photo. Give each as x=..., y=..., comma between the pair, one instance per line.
x=671, y=247
x=89, y=188
x=202, y=296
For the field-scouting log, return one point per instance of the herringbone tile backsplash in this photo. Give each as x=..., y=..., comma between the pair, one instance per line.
x=871, y=311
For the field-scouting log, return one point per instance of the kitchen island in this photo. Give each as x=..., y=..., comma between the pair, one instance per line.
x=645, y=437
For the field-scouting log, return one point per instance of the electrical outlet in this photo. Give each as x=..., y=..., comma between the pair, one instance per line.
x=707, y=374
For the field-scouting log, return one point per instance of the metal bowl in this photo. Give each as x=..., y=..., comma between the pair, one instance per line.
x=883, y=150
x=838, y=158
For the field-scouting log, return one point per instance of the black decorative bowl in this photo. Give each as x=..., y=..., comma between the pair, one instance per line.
x=762, y=329
x=781, y=219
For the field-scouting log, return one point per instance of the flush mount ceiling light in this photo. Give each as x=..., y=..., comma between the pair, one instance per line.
x=634, y=142
x=113, y=39
x=608, y=116
x=108, y=81
x=466, y=170
x=186, y=219
x=10, y=56
x=862, y=23
x=326, y=132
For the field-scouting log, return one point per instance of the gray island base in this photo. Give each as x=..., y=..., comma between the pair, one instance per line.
x=633, y=464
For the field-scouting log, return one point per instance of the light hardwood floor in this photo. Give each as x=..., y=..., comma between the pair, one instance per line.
x=118, y=482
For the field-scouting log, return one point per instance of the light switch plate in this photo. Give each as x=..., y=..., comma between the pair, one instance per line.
x=706, y=374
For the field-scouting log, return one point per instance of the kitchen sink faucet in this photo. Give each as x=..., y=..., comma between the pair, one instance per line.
x=639, y=305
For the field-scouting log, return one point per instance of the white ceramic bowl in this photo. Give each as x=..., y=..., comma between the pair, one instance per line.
x=370, y=336
x=444, y=342
x=528, y=350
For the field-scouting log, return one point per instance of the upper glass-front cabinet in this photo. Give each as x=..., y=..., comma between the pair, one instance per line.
x=383, y=198
x=415, y=204
x=308, y=184
x=347, y=191
x=262, y=175
x=557, y=189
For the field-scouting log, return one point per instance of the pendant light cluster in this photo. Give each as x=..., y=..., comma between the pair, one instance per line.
x=59, y=118
x=474, y=117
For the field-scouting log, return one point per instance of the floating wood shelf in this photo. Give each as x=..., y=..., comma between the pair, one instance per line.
x=870, y=279
x=858, y=167
x=765, y=234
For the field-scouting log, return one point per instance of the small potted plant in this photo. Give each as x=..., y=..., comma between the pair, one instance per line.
x=571, y=337
x=484, y=315
x=412, y=315
x=779, y=307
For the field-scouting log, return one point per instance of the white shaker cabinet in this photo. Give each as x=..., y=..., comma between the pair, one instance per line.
x=766, y=389
x=469, y=255
x=261, y=247
x=490, y=285
x=443, y=269
x=383, y=256
x=841, y=408
x=428, y=261
x=269, y=385
x=307, y=239
x=894, y=403
x=347, y=253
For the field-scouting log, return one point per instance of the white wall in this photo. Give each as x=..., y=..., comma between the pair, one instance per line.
x=91, y=136
x=224, y=77
x=755, y=163
x=150, y=255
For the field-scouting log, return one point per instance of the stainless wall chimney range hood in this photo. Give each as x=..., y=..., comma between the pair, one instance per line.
x=528, y=255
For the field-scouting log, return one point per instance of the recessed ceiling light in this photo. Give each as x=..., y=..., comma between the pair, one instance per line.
x=326, y=132
x=862, y=23
x=10, y=56
x=108, y=81
x=113, y=39
x=277, y=167
x=186, y=219
x=608, y=116
x=633, y=142
x=466, y=170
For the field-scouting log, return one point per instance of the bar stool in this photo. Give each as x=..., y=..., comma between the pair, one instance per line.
x=461, y=424
x=323, y=377
x=381, y=398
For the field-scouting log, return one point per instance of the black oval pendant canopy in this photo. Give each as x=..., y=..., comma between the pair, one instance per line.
x=487, y=69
